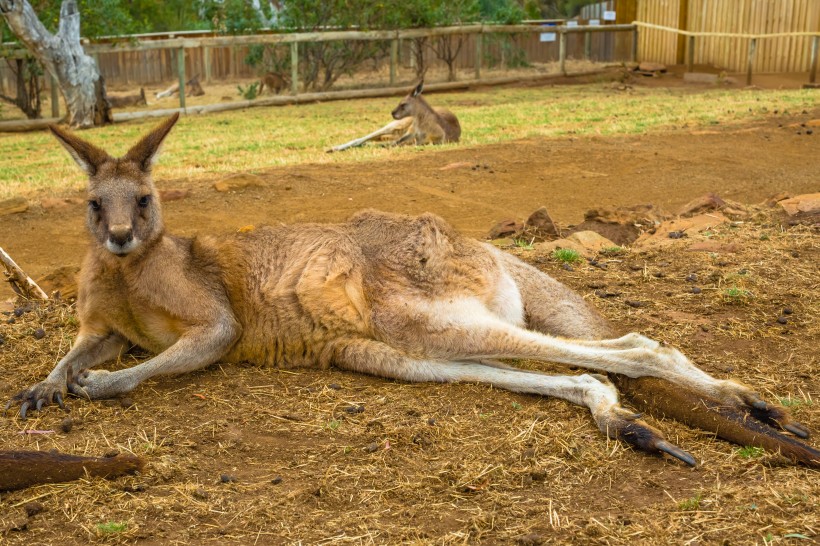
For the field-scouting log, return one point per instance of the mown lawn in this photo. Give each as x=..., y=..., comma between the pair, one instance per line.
x=257, y=138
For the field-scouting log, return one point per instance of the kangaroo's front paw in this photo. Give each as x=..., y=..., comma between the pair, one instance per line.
x=771, y=414
x=41, y=394
x=96, y=384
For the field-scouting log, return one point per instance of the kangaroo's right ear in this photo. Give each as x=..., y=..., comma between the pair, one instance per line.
x=419, y=88
x=144, y=152
x=85, y=154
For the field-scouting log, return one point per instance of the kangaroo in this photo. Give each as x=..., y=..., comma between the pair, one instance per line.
x=276, y=83
x=406, y=298
x=430, y=125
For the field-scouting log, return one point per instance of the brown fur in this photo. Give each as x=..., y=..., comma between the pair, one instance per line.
x=402, y=297
x=430, y=125
x=276, y=83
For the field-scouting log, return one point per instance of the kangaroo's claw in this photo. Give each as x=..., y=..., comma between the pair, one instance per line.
x=23, y=410
x=676, y=452
x=797, y=429
x=779, y=417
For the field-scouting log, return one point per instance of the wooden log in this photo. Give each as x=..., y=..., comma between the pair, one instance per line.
x=123, y=101
x=21, y=469
x=21, y=283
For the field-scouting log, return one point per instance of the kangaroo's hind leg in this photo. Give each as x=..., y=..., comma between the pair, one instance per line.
x=552, y=308
x=591, y=390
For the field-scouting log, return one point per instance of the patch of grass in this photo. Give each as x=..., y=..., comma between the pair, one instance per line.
x=111, y=527
x=691, y=504
x=206, y=146
x=751, y=452
x=613, y=251
x=790, y=402
x=566, y=255
x=517, y=407
x=736, y=295
x=523, y=243
x=334, y=424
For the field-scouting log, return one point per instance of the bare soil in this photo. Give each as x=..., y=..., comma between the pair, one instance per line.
x=246, y=455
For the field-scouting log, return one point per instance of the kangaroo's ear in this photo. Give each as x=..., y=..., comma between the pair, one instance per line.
x=419, y=88
x=144, y=152
x=85, y=154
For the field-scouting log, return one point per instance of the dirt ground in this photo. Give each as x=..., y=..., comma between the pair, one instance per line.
x=245, y=455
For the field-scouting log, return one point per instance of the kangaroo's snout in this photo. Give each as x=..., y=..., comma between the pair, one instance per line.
x=120, y=239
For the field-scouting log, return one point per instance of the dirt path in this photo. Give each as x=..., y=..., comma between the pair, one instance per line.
x=473, y=188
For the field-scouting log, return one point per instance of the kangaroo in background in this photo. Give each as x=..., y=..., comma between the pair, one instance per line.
x=276, y=83
x=430, y=125
x=401, y=297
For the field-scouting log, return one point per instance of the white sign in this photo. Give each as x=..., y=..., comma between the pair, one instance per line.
x=594, y=22
x=609, y=16
x=547, y=36
x=572, y=23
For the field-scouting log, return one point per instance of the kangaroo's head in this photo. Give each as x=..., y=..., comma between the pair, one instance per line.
x=123, y=206
x=408, y=105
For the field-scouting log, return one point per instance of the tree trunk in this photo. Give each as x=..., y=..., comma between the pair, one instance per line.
x=62, y=55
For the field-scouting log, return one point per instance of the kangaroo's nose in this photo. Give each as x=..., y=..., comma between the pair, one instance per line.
x=120, y=234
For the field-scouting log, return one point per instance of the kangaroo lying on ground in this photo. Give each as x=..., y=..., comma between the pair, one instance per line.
x=401, y=297
x=430, y=125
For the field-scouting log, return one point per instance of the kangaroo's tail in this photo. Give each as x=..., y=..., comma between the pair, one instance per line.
x=661, y=398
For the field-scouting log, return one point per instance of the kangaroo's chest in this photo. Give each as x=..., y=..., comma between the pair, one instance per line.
x=146, y=325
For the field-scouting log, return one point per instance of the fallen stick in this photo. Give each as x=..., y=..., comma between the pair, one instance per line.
x=21, y=283
x=21, y=469
x=399, y=126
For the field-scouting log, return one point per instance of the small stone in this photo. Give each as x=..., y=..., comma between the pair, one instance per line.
x=532, y=539
x=692, y=277
x=372, y=448
x=11, y=320
x=704, y=328
x=33, y=508
x=200, y=493
x=277, y=480
x=809, y=131
x=659, y=274
x=354, y=409
x=431, y=421
x=334, y=386
x=787, y=311
x=782, y=320
x=39, y=333
x=696, y=290
x=18, y=312
x=568, y=267
x=677, y=234
x=795, y=254
x=67, y=424
x=635, y=303
x=227, y=478
x=126, y=402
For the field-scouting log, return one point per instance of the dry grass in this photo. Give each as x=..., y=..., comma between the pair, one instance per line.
x=447, y=464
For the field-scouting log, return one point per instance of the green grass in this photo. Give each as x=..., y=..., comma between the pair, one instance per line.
x=111, y=527
x=750, y=452
x=691, y=504
x=205, y=146
x=736, y=295
x=566, y=255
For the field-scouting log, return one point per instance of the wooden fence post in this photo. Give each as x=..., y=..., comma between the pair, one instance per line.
x=690, y=65
x=294, y=67
x=55, y=98
x=479, y=55
x=394, y=59
x=752, y=48
x=207, y=60
x=634, y=55
x=587, y=45
x=181, y=75
x=815, y=52
x=562, y=50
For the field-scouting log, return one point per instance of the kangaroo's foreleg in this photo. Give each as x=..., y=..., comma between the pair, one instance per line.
x=89, y=350
x=197, y=348
x=593, y=391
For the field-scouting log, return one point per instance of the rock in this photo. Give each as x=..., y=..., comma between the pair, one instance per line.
x=238, y=181
x=691, y=226
x=540, y=226
x=806, y=203
x=776, y=198
x=14, y=205
x=621, y=225
x=586, y=243
x=456, y=165
x=173, y=194
x=709, y=201
x=647, y=66
x=62, y=280
x=505, y=228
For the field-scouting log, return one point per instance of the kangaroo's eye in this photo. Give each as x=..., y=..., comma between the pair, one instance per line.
x=94, y=204
x=144, y=200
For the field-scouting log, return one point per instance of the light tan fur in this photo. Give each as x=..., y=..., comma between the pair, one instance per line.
x=430, y=125
x=396, y=296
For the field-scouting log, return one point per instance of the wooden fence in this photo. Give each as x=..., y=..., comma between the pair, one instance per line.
x=724, y=31
x=147, y=61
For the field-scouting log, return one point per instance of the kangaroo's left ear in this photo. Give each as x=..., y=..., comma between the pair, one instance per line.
x=144, y=152
x=419, y=88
